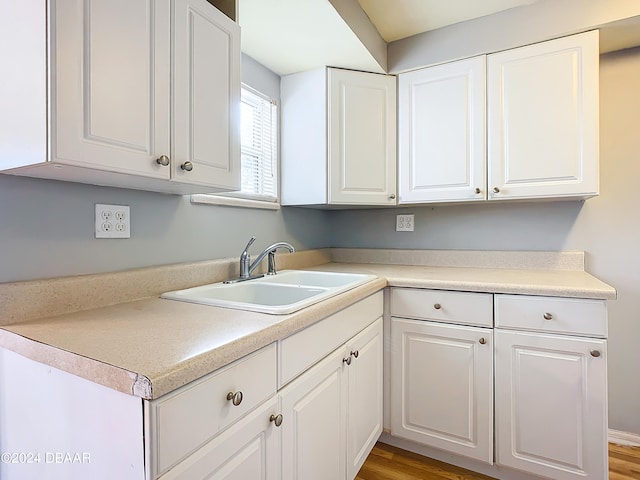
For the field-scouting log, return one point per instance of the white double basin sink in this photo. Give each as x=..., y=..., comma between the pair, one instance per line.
x=282, y=293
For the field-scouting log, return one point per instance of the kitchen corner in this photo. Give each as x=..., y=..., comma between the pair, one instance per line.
x=150, y=346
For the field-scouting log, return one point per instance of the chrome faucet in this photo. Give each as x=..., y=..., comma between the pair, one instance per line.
x=247, y=267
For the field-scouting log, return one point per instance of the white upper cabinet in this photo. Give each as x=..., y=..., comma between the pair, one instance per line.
x=441, y=133
x=142, y=95
x=110, y=86
x=543, y=119
x=338, y=138
x=205, y=96
x=535, y=135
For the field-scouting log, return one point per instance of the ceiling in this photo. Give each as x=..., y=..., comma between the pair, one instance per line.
x=403, y=18
x=289, y=36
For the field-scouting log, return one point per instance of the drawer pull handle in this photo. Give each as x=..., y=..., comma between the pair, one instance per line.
x=347, y=360
x=187, y=166
x=355, y=353
x=437, y=306
x=482, y=341
x=496, y=190
x=235, y=398
x=478, y=191
x=547, y=316
x=163, y=160
x=595, y=353
x=276, y=419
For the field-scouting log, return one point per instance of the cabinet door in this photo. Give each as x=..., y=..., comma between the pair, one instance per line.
x=205, y=96
x=314, y=425
x=250, y=449
x=442, y=386
x=362, y=138
x=110, y=85
x=364, y=411
x=441, y=133
x=551, y=404
x=543, y=119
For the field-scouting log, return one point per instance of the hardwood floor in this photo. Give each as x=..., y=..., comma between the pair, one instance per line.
x=391, y=463
x=624, y=462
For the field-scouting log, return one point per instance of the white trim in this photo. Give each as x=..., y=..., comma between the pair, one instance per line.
x=624, y=438
x=233, y=202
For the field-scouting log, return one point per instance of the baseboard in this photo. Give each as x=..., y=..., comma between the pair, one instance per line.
x=624, y=438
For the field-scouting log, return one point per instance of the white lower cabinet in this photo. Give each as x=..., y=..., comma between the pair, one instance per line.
x=333, y=413
x=551, y=388
x=442, y=386
x=550, y=383
x=551, y=396
x=313, y=430
x=321, y=424
x=364, y=399
x=442, y=373
x=250, y=449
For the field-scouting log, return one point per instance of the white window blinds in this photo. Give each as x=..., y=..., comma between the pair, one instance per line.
x=258, y=135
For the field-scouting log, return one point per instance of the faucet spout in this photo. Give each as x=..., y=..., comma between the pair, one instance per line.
x=247, y=267
x=270, y=251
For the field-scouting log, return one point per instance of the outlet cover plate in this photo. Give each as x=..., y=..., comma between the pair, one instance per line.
x=113, y=221
x=405, y=223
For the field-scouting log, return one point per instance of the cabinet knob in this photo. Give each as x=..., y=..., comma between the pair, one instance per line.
x=347, y=360
x=478, y=191
x=496, y=190
x=162, y=160
x=276, y=419
x=437, y=306
x=187, y=166
x=595, y=353
x=548, y=316
x=235, y=398
x=392, y=196
x=482, y=341
x=355, y=353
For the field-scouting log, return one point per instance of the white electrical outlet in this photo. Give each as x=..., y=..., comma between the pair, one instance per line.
x=113, y=221
x=404, y=223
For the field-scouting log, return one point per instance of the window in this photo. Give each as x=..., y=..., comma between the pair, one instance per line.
x=258, y=146
x=258, y=153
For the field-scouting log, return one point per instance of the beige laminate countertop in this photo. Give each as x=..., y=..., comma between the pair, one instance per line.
x=152, y=346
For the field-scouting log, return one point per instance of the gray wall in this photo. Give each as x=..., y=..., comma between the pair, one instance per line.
x=541, y=20
x=46, y=227
x=606, y=227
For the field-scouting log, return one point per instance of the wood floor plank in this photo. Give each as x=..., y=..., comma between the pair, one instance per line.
x=391, y=463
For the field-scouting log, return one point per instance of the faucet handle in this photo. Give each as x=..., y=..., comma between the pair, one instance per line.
x=251, y=240
x=245, y=260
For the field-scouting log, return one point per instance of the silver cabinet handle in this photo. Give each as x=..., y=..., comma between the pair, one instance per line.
x=437, y=306
x=162, y=160
x=347, y=360
x=355, y=353
x=595, y=353
x=482, y=341
x=547, y=316
x=478, y=191
x=235, y=398
x=276, y=419
x=496, y=190
x=187, y=166
x=392, y=196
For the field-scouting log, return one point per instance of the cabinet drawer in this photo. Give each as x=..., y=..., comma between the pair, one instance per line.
x=575, y=316
x=183, y=420
x=443, y=306
x=303, y=349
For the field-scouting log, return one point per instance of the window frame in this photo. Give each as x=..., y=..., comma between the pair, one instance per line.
x=246, y=199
